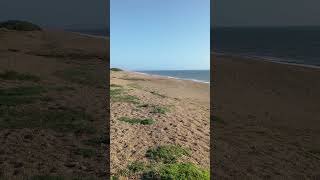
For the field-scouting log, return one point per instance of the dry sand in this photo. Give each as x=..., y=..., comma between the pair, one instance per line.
x=29, y=150
x=187, y=123
x=269, y=123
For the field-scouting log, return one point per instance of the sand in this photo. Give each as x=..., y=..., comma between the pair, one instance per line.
x=186, y=124
x=269, y=120
x=29, y=150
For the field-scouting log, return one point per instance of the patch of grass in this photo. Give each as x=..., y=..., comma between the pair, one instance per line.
x=118, y=95
x=86, y=153
x=134, y=85
x=115, y=92
x=146, y=121
x=158, y=94
x=97, y=141
x=13, y=75
x=116, y=69
x=61, y=120
x=160, y=110
x=132, y=169
x=19, y=25
x=167, y=153
x=177, y=171
x=20, y=95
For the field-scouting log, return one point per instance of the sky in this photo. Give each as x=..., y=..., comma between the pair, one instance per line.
x=265, y=12
x=160, y=34
x=65, y=14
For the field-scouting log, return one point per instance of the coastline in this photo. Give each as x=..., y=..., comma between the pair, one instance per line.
x=170, y=77
x=265, y=59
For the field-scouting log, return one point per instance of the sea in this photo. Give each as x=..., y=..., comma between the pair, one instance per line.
x=193, y=75
x=298, y=45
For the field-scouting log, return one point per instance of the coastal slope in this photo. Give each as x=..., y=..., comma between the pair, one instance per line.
x=53, y=105
x=267, y=121
x=178, y=117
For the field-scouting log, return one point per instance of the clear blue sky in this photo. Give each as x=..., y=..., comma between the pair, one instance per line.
x=160, y=34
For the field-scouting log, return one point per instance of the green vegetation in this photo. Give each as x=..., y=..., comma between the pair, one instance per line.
x=167, y=153
x=19, y=25
x=13, y=75
x=160, y=110
x=118, y=95
x=146, y=121
x=134, y=85
x=61, y=120
x=20, y=95
x=177, y=171
x=165, y=166
x=86, y=153
x=116, y=69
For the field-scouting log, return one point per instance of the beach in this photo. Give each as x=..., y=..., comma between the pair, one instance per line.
x=267, y=121
x=181, y=119
x=53, y=105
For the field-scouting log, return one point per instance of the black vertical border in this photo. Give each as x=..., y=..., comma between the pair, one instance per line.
x=108, y=87
x=212, y=79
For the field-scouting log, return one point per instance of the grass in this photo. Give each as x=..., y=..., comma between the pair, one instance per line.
x=60, y=120
x=174, y=171
x=116, y=69
x=13, y=75
x=132, y=169
x=19, y=25
x=177, y=171
x=86, y=153
x=118, y=95
x=146, y=121
x=160, y=110
x=167, y=153
x=134, y=85
x=20, y=95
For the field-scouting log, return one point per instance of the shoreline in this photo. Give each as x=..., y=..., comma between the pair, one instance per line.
x=170, y=77
x=264, y=59
x=89, y=35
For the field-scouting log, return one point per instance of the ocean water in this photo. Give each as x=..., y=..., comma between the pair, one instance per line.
x=195, y=75
x=299, y=45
